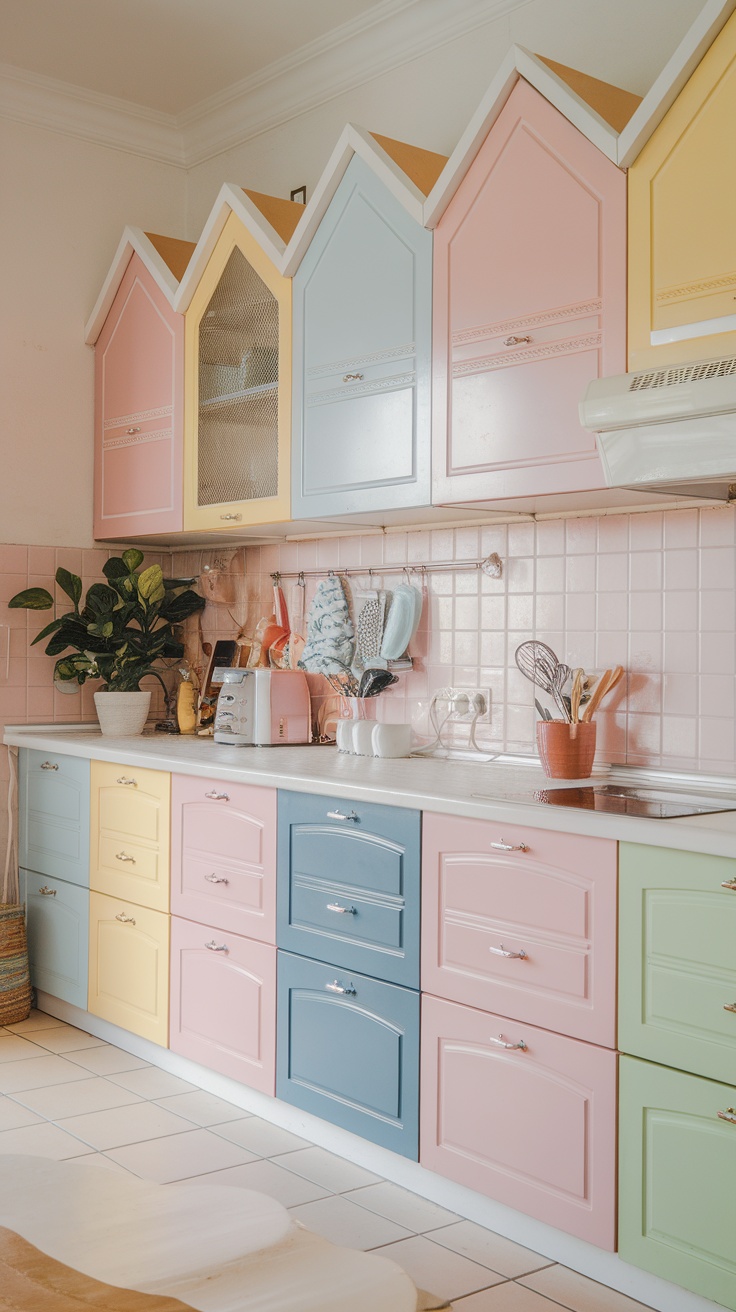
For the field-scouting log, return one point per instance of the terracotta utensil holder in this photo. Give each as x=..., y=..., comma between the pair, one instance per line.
x=566, y=750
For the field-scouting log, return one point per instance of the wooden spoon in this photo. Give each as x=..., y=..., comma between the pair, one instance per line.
x=578, y=679
x=607, y=681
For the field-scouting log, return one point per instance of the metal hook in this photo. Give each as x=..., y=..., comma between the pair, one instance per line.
x=300, y=579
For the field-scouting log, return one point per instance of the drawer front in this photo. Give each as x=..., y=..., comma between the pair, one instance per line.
x=223, y=855
x=348, y=884
x=223, y=1003
x=533, y=1127
x=53, y=825
x=521, y=922
x=348, y=1051
x=57, y=921
x=679, y=1006
x=129, y=826
x=129, y=966
x=677, y=1166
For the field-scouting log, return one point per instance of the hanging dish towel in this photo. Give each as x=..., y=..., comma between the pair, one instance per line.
x=330, y=634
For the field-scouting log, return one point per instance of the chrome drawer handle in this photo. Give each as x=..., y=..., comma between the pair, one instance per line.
x=503, y=1044
x=217, y=797
x=501, y=951
x=727, y=1006
x=123, y=856
x=216, y=947
x=216, y=879
x=340, y=815
x=47, y=892
x=46, y=765
x=353, y=378
x=125, y=920
x=730, y=883
x=516, y=341
x=130, y=783
x=334, y=987
x=344, y=911
x=728, y=1115
x=233, y=517
x=509, y=847
x=131, y=431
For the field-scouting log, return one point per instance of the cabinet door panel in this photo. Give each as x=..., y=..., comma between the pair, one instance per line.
x=54, y=815
x=551, y=904
x=223, y=1003
x=129, y=967
x=130, y=834
x=348, y=1050
x=532, y=1126
x=223, y=855
x=680, y=923
x=57, y=917
x=677, y=1166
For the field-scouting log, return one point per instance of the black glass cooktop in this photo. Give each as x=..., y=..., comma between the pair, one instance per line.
x=620, y=799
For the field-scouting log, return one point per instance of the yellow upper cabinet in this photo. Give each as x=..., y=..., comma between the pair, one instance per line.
x=237, y=414
x=682, y=221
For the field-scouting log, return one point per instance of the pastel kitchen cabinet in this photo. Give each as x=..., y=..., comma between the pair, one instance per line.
x=57, y=924
x=362, y=350
x=522, y=1115
x=678, y=919
x=522, y=922
x=223, y=855
x=139, y=395
x=348, y=884
x=223, y=1002
x=677, y=1166
x=238, y=387
x=348, y=1051
x=529, y=305
x=129, y=966
x=682, y=211
x=129, y=826
x=53, y=827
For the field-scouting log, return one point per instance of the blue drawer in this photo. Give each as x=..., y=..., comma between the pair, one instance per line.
x=348, y=888
x=57, y=916
x=54, y=815
x=348, y=1051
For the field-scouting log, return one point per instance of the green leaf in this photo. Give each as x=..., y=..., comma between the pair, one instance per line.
x=132, y=558
x=31, y=599
x=151, y=584
x=71, y=584
x=50, y=628
x=180, y=607
x=101, y=600
x=114, y=568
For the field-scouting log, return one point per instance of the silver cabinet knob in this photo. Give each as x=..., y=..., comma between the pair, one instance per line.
x=502, y=1043
x=123, y=856
x=216, y=879
x=47, y=892
x=340, y=815
x=501, y=951
x=334, y=987
x=730, y=883
x=216, y=947
x=729, y=1006
x=232, y=517
x=131, y=431
x=47, y=765
x=728, y=1115
x=125, y=920
x=217, y=797
x=129, y=783
x=353, y=378
x=516, y=341
x=344, y=911
x=500, y=846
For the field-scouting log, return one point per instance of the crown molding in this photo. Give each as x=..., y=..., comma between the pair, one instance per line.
x=392, y=34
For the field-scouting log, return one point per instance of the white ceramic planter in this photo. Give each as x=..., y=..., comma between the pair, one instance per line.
x=122, y=714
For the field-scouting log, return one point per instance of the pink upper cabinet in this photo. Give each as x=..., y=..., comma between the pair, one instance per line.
x=139, y=381
x=529, y=305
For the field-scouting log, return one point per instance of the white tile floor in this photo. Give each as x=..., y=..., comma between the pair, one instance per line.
x=65, y=1094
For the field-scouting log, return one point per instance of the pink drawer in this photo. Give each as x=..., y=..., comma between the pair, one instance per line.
x=522, y=922
x=531, y=1126
x=223, y=855
x=223, y=1003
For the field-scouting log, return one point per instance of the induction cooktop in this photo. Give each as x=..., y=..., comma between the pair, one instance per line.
x=620, y=799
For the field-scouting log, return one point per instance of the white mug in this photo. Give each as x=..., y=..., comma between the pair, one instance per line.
x=391, y=740
x=344, y=735
x=362, y=731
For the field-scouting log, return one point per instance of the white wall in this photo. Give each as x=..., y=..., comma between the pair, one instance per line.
x=64, y=205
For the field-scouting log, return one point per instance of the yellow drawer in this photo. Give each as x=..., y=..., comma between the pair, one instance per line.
x=129, y=834
x=129, y=966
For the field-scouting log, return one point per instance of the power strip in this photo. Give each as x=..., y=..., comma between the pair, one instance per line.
x=464, y=703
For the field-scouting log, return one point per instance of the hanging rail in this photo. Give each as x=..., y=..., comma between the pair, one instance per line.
x=490, y=565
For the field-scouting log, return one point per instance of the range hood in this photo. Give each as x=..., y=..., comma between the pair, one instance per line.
x=672, y=430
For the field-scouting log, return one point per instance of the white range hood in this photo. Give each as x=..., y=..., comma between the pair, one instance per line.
x=672, y=429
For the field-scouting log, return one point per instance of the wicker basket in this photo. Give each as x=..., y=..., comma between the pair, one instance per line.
x=15, y=980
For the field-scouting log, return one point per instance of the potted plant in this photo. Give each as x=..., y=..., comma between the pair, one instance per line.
x=123, y=628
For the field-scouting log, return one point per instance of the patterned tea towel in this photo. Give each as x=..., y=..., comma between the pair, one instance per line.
x=330, y=634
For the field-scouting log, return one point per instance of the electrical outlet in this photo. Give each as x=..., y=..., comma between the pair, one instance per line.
x=465, y=703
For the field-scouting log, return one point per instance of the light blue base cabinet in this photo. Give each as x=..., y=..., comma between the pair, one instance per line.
x=57, y=920
x=54, y=815
x=348, y=1051
x=362, y=343
x=348, y=884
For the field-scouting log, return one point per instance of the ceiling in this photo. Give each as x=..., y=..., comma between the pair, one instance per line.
x=170, y=55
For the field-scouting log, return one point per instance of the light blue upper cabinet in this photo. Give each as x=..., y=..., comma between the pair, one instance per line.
x=362, y=341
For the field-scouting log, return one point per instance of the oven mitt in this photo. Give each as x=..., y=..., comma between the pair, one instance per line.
x=330, y=634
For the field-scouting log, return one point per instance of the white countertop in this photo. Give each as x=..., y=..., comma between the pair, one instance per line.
x=447, y=786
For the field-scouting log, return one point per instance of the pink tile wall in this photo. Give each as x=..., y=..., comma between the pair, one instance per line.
x=654, y=592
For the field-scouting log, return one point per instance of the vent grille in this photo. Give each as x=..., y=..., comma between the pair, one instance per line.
x=686, y=373
x=238, y=389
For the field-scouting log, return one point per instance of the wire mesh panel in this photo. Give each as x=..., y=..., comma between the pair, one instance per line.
x=238, y=389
